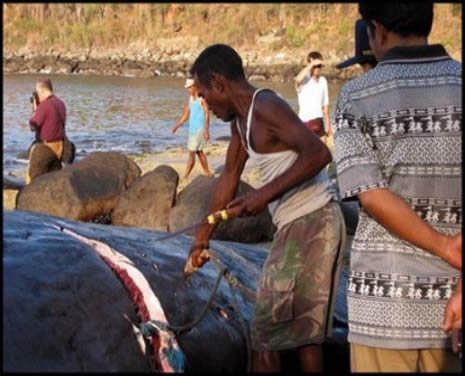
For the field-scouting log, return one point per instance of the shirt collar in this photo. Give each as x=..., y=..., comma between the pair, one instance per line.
x=415, y=54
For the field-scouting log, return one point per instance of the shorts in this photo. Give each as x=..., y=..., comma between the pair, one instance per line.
x=297, y=288
x=196, y=141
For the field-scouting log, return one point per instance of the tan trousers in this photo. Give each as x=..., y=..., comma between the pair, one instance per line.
x=375, y=359
x=40, y=163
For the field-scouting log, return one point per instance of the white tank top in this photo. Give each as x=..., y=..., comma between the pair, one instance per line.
x=303, y=199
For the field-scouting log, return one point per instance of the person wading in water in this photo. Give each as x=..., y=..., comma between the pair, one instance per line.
x=199, y=119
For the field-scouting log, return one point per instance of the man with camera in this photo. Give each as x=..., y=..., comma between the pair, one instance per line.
x=313, y=96
x=48, y=121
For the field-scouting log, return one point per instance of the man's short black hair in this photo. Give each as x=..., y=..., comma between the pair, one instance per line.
x=218, y=59
x=314, y=55
x=401, y=17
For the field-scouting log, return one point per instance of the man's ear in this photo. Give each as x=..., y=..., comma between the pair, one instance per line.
x=218, y=83
x=380, y=32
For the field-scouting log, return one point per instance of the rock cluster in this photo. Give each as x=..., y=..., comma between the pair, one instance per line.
x=107, y=187
x=168, y=58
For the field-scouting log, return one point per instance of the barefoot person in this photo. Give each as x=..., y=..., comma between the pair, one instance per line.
x=294, y=305
x=197, y=113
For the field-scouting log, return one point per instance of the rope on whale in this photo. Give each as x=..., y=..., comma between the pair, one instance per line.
x=149, y=327
x=167, y=355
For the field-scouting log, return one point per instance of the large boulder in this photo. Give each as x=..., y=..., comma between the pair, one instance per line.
x=192, y=206
x=84, y=190
x=68, y=309
x=147, y=202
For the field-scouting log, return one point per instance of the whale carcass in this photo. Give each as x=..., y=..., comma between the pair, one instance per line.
x=75, y=295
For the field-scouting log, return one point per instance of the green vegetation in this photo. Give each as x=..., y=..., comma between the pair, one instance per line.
x=299, y=26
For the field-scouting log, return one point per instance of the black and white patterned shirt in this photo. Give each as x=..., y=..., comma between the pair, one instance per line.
x=399, y=127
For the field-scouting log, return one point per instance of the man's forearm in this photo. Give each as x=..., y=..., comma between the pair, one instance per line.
x=300, y=77
x=181, y=121
x=207, y=122
x=394, y=214
x=305, y=167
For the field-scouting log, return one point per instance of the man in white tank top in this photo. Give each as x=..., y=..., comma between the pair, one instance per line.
x=293, y=309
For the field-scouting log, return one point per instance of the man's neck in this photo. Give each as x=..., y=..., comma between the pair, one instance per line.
x=242, y=94
x=396, y=40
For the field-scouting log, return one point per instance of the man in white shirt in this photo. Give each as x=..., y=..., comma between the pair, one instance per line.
x=312, y=91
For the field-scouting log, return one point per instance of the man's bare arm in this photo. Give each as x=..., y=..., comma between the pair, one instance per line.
x=394, y=214
x=183, y=118
x=207, y=119
x=299, y=79
x=225, y=190
x=285, y=126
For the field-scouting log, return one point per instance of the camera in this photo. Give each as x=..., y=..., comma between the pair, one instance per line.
x=35, y=96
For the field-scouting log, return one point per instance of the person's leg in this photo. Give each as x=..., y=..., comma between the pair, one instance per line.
x=41, y=160
x=190, y=164
x=204, y=162
x=294, y=298
x=439, y=360
x=311, y=358
x=374, y=359
x=266, y=361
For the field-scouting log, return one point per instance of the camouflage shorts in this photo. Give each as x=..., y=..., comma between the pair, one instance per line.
x=298, y=284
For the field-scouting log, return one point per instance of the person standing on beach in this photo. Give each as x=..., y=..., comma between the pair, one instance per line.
x=295, y=293
x=48, y=119
x=313, y=97
x=199, y=119
x=398, y=145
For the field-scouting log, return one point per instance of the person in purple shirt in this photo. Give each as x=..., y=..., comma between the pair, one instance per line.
x=48, y=122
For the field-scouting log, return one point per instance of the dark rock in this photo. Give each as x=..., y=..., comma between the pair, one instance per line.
x=63, y=67
x=13, y=64
x=147, y=202
x=68, y=311
x=130, y=65
x=223, y=138
x=193, y=204
x=34, y=65
x=83, y=190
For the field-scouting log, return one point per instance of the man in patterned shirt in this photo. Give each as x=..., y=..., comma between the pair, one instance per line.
x=398, y=148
